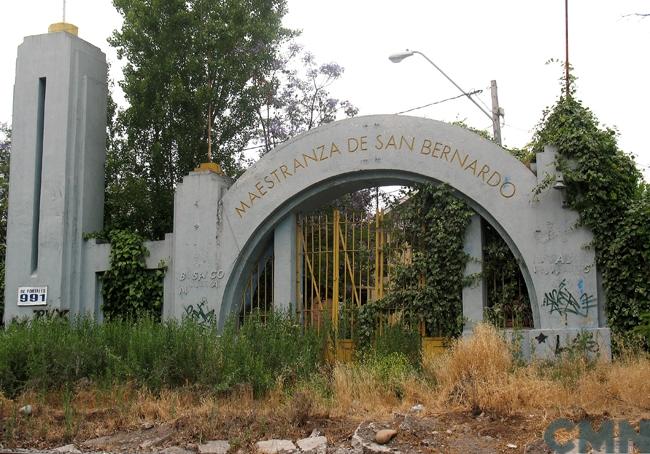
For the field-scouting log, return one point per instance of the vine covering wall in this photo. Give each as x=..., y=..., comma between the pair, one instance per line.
x=605, y=187
x=131, y=291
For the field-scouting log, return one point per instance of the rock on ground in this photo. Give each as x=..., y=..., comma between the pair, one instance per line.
x=72, y=449
x=275, y=446
x=214, y=447
x=384, y=436
x=313, y=444
x=363, y=444
x=175, y=450
x=131, y=441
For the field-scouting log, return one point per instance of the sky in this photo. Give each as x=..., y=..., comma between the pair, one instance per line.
x=473, y=41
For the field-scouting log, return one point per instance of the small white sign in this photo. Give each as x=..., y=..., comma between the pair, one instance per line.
x=32, y=296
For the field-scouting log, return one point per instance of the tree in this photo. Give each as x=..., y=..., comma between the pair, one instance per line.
x=191, y=84
x=5, y=147
x=298, y=99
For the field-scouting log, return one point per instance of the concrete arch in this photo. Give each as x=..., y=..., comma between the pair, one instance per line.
x=388, y=149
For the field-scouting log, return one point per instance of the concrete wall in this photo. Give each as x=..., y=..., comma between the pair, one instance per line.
x=97, y=260
x=57, y=156
x=475, y=294
x=194, y=272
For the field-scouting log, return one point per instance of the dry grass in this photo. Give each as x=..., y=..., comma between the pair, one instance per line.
x=363, y=391
x=473, y=368
x=196, y=415
x=479, y=375
x=476, y=375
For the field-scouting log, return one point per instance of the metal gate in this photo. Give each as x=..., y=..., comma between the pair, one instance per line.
x=340, y=266
x=345, y=260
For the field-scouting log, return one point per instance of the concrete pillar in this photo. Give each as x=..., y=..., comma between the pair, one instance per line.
x=474, y=295
x=56, y=189
x=197, y=237
x=284, y=265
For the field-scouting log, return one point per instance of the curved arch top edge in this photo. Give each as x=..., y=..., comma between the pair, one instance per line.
x=464, y=136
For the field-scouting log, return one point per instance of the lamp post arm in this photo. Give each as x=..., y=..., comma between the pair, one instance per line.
x=455, y=84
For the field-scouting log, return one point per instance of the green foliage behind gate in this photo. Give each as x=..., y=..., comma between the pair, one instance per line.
x=432, y=222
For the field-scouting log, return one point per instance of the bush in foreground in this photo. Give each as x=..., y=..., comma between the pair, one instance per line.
x=49, y=354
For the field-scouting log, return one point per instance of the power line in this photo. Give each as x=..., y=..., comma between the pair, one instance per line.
x=484, y=105
x=509, y=125
x=438, y=102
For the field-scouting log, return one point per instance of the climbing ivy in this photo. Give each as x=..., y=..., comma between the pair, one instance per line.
x=605, y=187
x=429, y=222
x=508, y=304
x=130, y=290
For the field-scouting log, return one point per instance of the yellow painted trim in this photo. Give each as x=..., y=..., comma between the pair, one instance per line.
x=209, y=167
x=63, y=27
x=335, y=272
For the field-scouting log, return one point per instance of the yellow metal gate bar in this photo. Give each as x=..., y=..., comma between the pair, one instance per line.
x=343, y=262
x=340, y=267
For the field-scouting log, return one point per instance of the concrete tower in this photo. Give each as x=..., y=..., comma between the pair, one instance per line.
x=56, y=191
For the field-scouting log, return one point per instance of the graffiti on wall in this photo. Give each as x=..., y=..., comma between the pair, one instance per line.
x=200, y=312
x=51, y=313
x=583, y=343
x=563, y=302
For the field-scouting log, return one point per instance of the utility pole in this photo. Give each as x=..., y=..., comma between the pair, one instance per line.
x=497, y=113
x=566, y=48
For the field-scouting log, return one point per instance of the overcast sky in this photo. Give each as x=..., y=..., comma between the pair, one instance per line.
x=473, y=41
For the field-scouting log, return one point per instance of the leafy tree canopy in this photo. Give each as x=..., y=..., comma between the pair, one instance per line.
x=297, y=98
x=191, y=81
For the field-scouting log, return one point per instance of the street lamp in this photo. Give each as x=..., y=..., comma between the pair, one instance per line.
x=399, y=56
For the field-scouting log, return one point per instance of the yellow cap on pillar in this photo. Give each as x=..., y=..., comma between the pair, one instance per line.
x=209, y=167
x=63, y=27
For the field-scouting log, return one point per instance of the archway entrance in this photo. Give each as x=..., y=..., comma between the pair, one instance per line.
x=394, y=150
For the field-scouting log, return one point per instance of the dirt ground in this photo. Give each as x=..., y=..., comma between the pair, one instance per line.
x=417, y=432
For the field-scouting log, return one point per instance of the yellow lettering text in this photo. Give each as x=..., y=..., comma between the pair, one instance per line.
x=241, y=210
x=379, y=143
x=481, y=174
x=285, y=171
x=494, y=183
x=472, y=165
x=260, y=188
x=426, y=145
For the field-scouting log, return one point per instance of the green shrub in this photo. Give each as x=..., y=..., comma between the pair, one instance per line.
x=48, y=354
x=401, y=339
x=129, y=289
x=390, y=369
x=263, y=352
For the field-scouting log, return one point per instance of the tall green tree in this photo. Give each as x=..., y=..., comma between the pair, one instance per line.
x=191, y=84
